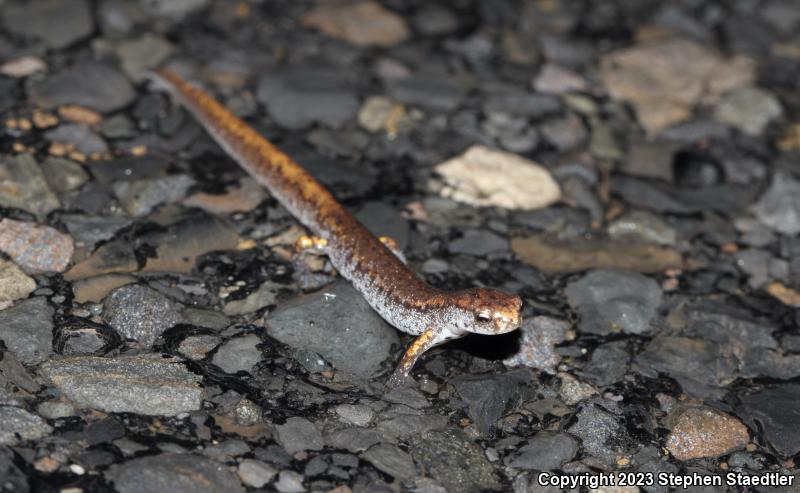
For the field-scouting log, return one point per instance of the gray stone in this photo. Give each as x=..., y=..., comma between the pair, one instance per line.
x=455, y=462
x=140, y=197
x=265, y=295
x=300, y=96
x=479, y=242
x=779, y=207
x=174, y=9
x=642, y=226
x=356, y=414
x=80, y=136
x=88, y=230
x=176, y=473
x=339, y=325
x=545, y=451
x=256, y=473
x=58, y=23
x=774, y=412
x=353, y=439
x=198, y=346
x=408, y=397
x=140, y=313
x=27, y=330
x=14, y=284
x=137, y=384
x=91, y=84
x=13, y=478
x=63, y=175
x=409, y=425
x=289, y=482
x=18, y=425
x=384, y=220
x=391, y=460
x=488, y=395
x=429, y=89
x=139, y=55
x=749, y=109
x=608, y=364
x=539, y=337
x=299, y=434
x=600, y=430
x=238, y=354
x=614, y=301
x=24, y=186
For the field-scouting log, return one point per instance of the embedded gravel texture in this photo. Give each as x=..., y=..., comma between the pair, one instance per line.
x=631, y=169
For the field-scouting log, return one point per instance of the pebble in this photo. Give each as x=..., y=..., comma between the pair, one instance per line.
x=391, y=460
x=299, y=434
x=486, y=177
x=614, y=301
x=429, y=88
x=300, y=96
x=256, y=473
x=58, y=23
x=197, y=347
x=539, y=337
x=140, y=313
x=573, y=391
x=488, y=395
x=339, y=325
x=87, y=230
x=244, y=197
x=408, y=397
x=749, y=109
x=192, y=235
x=665, y=93
x=25, y=187
x=608, y=363
x=564, y=133
x=701, y=367
x=14, y=284
x=56, y=409
x=353, y=439
x=600, y=430
x=140, y=197
x=454, y=461
x=265, y=295
x=479, y=243
x=779, y=207
x=173, y=472
x=553, y=255
x=23, y=67
x=554, y=79
x=79, y=336
x=63, y=175
x=139, y=55
x=356, y=414
x=136, y=384
x=27, y=330
x=642, y=226
x=545, y=451
x=384, y=220
x=773, y=410
x=362, y=23
x=35, y=248
x=78, y=135
x=90, y=84
x=18, y=425
x=700, y=431
x=289, y=482
x=238, y=354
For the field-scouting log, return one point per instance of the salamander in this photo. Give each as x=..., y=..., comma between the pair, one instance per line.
x=402, y=298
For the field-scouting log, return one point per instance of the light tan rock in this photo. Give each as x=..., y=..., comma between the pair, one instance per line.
x=488, y=177
x=700, y=431
x=362, y=23
x=665, y=78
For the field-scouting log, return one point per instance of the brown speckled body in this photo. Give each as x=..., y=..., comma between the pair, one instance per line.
x=402, y=298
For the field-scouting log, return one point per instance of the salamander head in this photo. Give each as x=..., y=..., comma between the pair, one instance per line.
x=488, y=311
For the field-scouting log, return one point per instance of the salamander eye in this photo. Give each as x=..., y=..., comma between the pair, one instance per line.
x=483, y=317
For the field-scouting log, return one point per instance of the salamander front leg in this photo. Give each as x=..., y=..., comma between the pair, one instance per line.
x=422, y=343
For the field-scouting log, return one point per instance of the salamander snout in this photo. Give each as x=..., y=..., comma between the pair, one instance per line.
x=492, y=311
